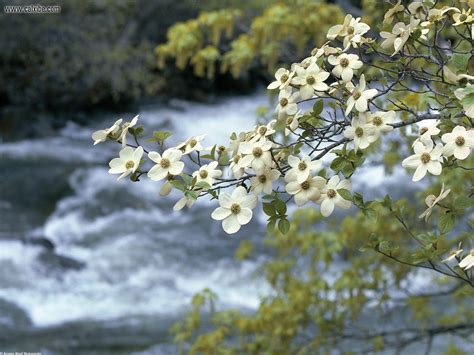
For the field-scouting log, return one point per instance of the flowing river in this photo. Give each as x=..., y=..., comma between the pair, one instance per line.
x=92, y=265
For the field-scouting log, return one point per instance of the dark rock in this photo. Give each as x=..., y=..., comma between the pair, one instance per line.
x=41, y=241
x=55, y=262
x=12, y=315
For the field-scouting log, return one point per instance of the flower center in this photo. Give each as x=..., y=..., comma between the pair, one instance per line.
x=257, y=152
x=305, y=185
x=423, y=130
x=350, y=30
x=129, y=164
x=377, y=121
x=235, y=208
x=192, y=143
x=425, y=158
x=221, y=148
x=310, y=80
x=460, y=141
x=331, y=193
x=284, y=78
x=262, y=178
x=203, y=174
x=236, y=159
x=302, y=166
x=462, y=18
x=289, y=120
x=344, y=62
x=165, y=163
x=262, y=130
x=356, y=94
x=284, y=102
x=359, y=132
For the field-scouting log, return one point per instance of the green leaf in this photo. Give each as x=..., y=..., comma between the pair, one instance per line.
x=203, y=185
x=348, y=170
x=271, y=225
x=338, y=164
x=269, y=209
x=284, y=226
x=446, y=222
x=460, y=61
x=280, y=207
x=387, y=202
x=345, y=194
x=161, y=136
x=464, y=202
x=318, y=107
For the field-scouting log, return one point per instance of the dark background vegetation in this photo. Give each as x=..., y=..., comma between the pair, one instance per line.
x=96, y=56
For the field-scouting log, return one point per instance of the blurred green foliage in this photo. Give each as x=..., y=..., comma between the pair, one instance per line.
x=334, y=290
x=94, y=53
x=235, y=42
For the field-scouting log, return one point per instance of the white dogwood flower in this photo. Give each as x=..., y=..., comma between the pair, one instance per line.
x=417, y=9
x=307, y=190
x=257, y=155
x=263, y=181
x=186, y=200
x=426, y=129
x=465, y=16
x=459, y=142
x=397, y=38
x=452, y=254
x=125, y=127
x=169, y=163
x=427, y=158
x=467, y=105
x=166, y=188
x=360, y=96
x=127, y=162
x=381, y=120
x=432, y=200
x=361, y=132
x=263, y=131
x=352, y=30
x=235, y=167
x=208, y=173
x=310, y=80
x=192, y=144
x=235, y=209
x=287, y=105
x=330, y=198
x=101, y=135
x=344, y=65
x=468, y=261
x=292, y=123
x=389, y=15
x=283, y=77
x=301, y=168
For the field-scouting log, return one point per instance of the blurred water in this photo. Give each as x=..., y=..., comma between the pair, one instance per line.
x=124, y=266
x=121, y=254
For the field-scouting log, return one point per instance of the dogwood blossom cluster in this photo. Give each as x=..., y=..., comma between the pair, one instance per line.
x=284, y=159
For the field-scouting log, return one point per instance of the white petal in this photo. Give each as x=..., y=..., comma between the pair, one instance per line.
x=244, y=216
x=180, y=204
x=225, y=200
x=248, y=201
x=420, y=172
x=411, y=162
x=157, y=173
x=220, y=213
x=327, y=206
x=231, y=224
x=155, y=156
x=176, y=168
